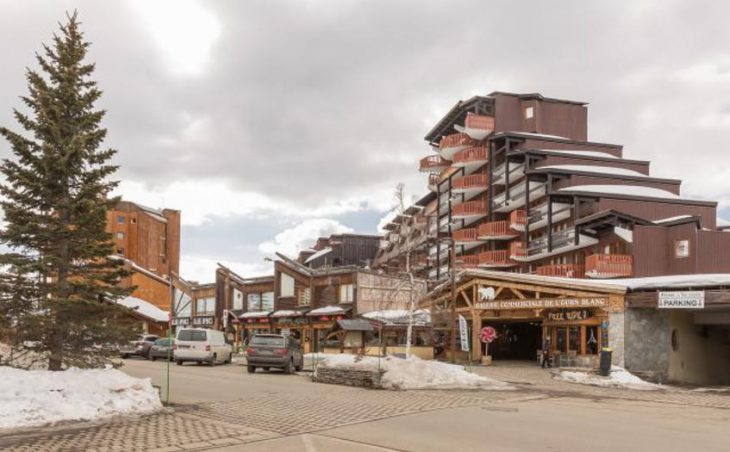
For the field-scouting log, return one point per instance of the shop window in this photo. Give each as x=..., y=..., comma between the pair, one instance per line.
x=205, y=306
x=561, y=339
x=592, y=340
x=286, y=285
x=347, y=293
x=253, y=302
x=574, y=339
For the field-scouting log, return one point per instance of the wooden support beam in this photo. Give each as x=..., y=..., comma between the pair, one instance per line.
x=517, y=293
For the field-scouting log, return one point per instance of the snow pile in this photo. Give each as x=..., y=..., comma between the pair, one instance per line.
x=37, y=397
x=619, y=378
x=415, y=373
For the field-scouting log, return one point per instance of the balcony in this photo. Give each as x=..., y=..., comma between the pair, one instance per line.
x=563, y=242
x=433, y=164
x=495, y=259
x=465, y=236
x=517, y=196
x=433, y=181
x=477, y=126
x=517, y=249
x=538, y=215
x=561, y=270
x=470, y=185
x=609, y=265
x=518, y=219
x=496, y=230
x=470, y=210
x=516, y=171
x=451, y=144
x=471, y=261
x=470, y=158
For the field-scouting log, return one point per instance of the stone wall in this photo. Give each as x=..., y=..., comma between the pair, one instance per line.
x=616, y=337
x=348, y=377
x=647, y=336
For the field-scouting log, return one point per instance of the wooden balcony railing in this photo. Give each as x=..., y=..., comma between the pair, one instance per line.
x=470, y=208
x=433, y=179
x=470, y=182
x=499, y=257
x=433, y=164
x=476, y=154
x=609, y=265
x=465, y=235
x=456, y=139
x=518, y=219
x=496, y=229
x=470, y=261
x=517, y=249
x=561, y=270
x=475, y=121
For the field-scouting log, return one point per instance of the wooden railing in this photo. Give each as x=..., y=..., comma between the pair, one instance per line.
x=518, y=218
x=475, y=121
x=432, y=163
x=498, y=257
x=561, y=270
x=517, y=249
x=495, y=229
x=471, y=261
x=456, y=139
x=470, y=208
x=609, y=265
x=469, y=155
x=465, y=235
x=470, y=181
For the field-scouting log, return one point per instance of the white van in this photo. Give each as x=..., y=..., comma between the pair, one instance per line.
x=201, y=346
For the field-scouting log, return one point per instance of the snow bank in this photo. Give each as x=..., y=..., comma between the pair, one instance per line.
x=415, y=373
x=37, y=397
x=619, y=378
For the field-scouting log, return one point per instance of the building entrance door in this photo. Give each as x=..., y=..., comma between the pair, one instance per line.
x=517, y=340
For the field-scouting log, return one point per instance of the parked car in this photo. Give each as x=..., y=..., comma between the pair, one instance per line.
x=274, y=350
x=162, y=348
x=140, y=347
x=201, y=346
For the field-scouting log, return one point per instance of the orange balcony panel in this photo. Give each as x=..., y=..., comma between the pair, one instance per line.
x=475, y=121
x=517, y=249
x=561, y=270
x=609, y=265
x=498, y=258
x=471, y=182
x=433, y=164
x=476, y=154
x=456, y=140
x=469, y=209
x=465, y=235
x=496, y=230
x=471, y=261
x=518, y=219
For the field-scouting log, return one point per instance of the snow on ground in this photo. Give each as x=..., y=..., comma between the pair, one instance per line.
x=619, y=378
x=38, y=397
x=414, y=373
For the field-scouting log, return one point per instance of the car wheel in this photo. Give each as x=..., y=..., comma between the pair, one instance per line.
x=178, y=362
x=213, y=360
x=251, y=369
x=153, y=358
x=230, y=359
x=300, y=366
x=287, y=367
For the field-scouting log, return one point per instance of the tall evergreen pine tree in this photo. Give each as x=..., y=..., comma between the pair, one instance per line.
x=59, y=283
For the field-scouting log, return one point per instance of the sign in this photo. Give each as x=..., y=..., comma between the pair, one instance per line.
x=688, y=299
x=567, y=316
x=463, y=334
x=488, y=335
x=542, y=303
x=181, y=321
x=203, y=321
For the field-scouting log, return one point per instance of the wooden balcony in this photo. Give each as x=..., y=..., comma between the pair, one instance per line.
x=517, y=249
x=433, y=181
x=469, y=209
x=468, y=235
x=609, y=265
x=451, y=144
x=472, y=156
x=499, y=258
x=433, y=164
x=561, y=270
x=473, y=183
x=471, y=261
x=496, y=230
x=518, y=219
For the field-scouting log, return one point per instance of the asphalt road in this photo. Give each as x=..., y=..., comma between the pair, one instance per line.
x=524, y=421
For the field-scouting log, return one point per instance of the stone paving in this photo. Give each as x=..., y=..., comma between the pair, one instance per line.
x=209, y=425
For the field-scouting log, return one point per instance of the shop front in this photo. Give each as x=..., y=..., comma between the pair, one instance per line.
x=292, y=323
x=256, y=322
x=321, y=333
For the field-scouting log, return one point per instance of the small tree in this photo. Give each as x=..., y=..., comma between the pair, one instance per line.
x=59, y=286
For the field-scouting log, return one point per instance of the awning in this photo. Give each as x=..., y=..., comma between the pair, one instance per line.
x=254, y=314
x=355, y=325
x=330, y=310
x=287, y=313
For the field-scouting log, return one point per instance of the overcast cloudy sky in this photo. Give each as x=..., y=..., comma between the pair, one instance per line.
x=269, y=123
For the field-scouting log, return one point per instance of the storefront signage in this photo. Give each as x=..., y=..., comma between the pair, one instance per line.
x=463, y=334
x=567, y=316
x=181, y=321
x=203, y=321
x=488, y=335
x=542, y=303
x=687, y=299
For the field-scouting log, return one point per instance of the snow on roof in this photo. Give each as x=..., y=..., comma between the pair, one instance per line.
x=669, y=282
x=318, y=254
x=539, y=135
x=286, y=313
x=579, y=152
x=144, y=308
x=670, y=219
x=595, y=169
x=254, y=314
x=631, y=190
x=399, y=316
x=327, y=310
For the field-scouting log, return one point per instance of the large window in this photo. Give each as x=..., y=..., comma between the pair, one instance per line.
x=237, y=299
x=347, y=293
x=267, y=301
x=286, y=288
x=253, y=302
x=305, y=297
x=183, y=304
x=205, y=306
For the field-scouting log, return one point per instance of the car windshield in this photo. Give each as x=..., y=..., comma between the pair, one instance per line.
x=162, y=342
x=275, y=341
x=191, y=335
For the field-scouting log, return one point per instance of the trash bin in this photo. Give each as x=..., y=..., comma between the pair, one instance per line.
x=605, y=365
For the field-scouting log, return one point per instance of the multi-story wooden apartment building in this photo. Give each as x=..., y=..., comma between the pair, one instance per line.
x=341, y=249
x=517, y=186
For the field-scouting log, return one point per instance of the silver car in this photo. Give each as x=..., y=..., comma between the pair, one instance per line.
x=162, y=348
x=274, y=350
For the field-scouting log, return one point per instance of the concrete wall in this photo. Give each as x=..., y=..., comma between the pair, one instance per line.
x=647, y=336
x=702, y=355
x=616, y=337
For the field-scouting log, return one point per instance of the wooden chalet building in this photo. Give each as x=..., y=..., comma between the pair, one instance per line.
x=341, y=249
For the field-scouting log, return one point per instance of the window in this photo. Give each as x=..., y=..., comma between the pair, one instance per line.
x=183, y=304
x=121, y=219
x=681, y=249
x=192, y=335
x=253, y=302
x=120, y=236
x=347, y=293
x=133, y=220
x=305, y=296
x=237, y=299
x=267, y=301
x=529, y=112
x=286, y=285
x=120, y=251
x=205, y=305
